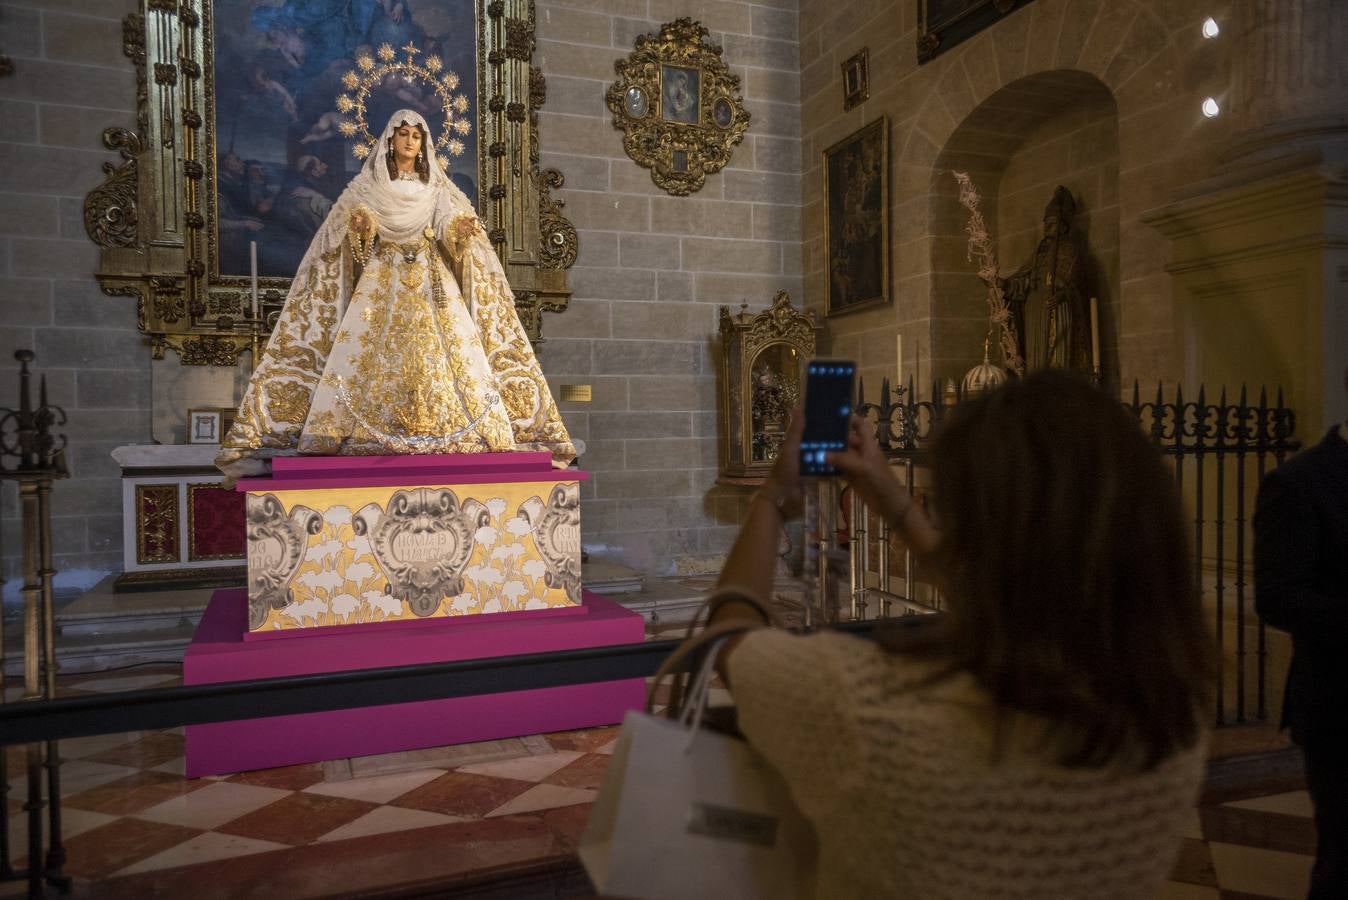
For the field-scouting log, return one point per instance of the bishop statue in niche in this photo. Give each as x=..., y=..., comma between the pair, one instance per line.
x=1049, y=294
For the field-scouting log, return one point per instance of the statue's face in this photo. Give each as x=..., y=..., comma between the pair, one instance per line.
x=406, y=144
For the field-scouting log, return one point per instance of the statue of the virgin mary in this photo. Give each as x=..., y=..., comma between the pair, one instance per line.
x=399, y=334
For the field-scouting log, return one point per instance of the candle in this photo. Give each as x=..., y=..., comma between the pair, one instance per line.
x=252, y=259
x=1095, y=333
x=898, y=364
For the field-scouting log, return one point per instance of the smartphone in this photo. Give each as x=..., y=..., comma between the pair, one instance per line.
x=829, y=389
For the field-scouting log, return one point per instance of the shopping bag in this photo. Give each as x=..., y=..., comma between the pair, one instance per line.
x=684, y=812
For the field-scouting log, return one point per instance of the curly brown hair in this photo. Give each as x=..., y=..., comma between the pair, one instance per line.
x=1071, y=585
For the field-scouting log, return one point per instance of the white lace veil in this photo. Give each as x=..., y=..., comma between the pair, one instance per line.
x=401, y=216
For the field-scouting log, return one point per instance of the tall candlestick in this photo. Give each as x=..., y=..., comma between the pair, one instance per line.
x=898, y=364
x=1095, y=333
x=252, y=259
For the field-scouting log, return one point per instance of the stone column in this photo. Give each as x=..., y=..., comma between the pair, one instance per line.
x=1290, y=69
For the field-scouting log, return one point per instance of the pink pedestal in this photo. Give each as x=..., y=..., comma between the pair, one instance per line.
x=218, y=653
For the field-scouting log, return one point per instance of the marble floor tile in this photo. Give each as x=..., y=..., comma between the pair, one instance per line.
x=543, y=796
x=525, y=768
x=1193, y=864
x=585, y=741
x=386, y=819
x=1292, y=803
x=438, y=757
x=73, y=822
x=585, y=772
x=176, y=767
x=568, y=824
x=607, y=749
x=1269, y=873
x=200, y=849
x=288, y=778
x=80, y=747
x=101, y=851
x=1193, y=825
x=213, y=805
x=131, y=794
x=463, y=794
x=376, y=788
x=370, y=866
x=1254, y=828
x=79, y=775
x=298, y=818
x=146, y=752
x=1174, y=890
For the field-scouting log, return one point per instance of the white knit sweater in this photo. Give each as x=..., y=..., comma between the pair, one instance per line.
x=907, y=800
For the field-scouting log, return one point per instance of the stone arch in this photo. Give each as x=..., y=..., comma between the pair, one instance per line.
x=1129, y=51
x=1048, y=128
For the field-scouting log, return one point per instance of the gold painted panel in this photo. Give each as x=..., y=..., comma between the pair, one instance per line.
x=352, y=556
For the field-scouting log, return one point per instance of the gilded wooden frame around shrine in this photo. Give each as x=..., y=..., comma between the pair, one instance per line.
x=678, y=106
x=152, y=216
x=761, y=365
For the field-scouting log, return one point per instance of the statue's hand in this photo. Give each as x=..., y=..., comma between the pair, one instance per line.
x=360, y=221
x=460, y=232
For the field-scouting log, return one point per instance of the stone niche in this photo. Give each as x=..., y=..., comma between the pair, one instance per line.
x=1052, y=128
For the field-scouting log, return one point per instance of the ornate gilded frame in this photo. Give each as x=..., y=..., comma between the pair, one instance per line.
x=152, y=216
x=649, y=101
x=745, y=338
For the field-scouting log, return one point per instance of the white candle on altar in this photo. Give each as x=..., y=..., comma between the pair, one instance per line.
x=252, y=261
x=898, y=364
x=1095, y=333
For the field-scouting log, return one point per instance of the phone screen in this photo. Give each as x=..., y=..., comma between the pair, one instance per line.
x=828, y=406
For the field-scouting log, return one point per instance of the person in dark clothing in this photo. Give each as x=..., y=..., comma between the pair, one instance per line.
x=1301, y=587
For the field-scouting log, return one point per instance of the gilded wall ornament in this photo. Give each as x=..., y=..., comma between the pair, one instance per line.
x=678, y=105
x=110, y=208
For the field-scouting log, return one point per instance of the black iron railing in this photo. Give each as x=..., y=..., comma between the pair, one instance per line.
x=1219, y=453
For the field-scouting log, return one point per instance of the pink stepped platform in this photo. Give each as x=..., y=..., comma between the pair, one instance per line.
x=218, y=653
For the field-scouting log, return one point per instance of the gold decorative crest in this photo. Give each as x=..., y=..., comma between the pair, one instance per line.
x=678, y=106
x=369, y=74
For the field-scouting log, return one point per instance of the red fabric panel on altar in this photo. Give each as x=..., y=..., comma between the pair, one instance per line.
x=216, y=527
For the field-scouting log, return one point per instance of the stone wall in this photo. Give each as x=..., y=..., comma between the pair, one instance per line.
x=653, y=269
x=70, y=82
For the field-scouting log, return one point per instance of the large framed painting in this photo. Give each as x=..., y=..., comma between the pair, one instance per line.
x=274, y=74
x=942, y=24
x=856, y=220
x=251, y=118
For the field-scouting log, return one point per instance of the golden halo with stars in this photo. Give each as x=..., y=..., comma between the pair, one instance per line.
x=370, y=72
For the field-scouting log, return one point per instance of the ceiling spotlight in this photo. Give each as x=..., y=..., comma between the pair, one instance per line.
x=1210, y=108
x=1210, y=29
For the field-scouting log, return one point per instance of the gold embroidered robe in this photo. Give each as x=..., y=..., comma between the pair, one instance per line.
x=417, y=350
